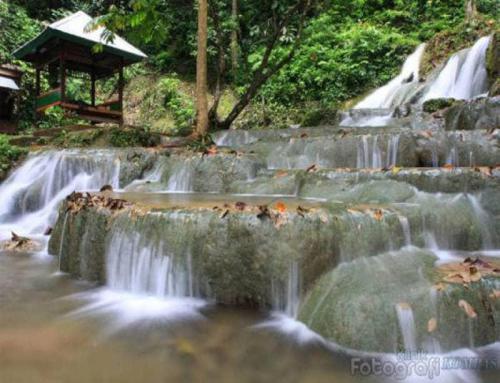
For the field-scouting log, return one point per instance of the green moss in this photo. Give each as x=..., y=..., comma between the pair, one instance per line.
x=432, y=106
x=449, y=41
x=129, y=137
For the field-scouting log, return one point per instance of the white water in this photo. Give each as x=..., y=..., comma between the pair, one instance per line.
x=286, y=296
x=407, y=326
x=383, y=97
x=139, y=265
x=464, y=75
x=182, y=178
x=32, y=193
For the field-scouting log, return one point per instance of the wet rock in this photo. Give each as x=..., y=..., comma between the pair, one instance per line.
x=432, y=106
x=477, y=114
x=373, y=290
x=493, y=63
x=20, y=244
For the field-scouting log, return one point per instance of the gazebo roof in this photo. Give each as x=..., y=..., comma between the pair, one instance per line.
x=73, y=29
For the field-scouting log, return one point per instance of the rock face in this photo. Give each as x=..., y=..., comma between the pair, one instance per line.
x=479, y=114
x=392, y=302
x=493, y=64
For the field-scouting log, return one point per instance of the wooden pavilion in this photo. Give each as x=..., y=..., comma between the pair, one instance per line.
x=10, y=78
x=65, y=49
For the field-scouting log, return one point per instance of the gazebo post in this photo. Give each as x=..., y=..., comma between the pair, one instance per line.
x=37, y=88
x=92, y=87
x=62, y=68
x=120, y=92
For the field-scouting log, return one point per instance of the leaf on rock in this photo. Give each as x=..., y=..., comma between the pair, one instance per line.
x=432, y=325
x=240, y=205
x=495, y=294
x=448, y=166
x=484, y=170
x=312, y=168
x=281, y=207
x=467, y=308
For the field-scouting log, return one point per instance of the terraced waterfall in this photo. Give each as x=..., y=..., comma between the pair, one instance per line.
x=359, y=241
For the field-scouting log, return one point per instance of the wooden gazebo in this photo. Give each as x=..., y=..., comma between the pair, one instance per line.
x=68, y=48
x=10, y=78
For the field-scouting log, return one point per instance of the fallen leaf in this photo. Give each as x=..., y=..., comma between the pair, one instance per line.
x=224, y=214
x=281, y=207
x=263, y=212
x=395, y=170
x=468, y=309
x=448, y=166
x=240, y=205
x=378, y=214
x=312, y=168
x=302, y=211
x=184, y=346
x=432, y=325
x=484, y=170
x=281, y=173
x=495, y=294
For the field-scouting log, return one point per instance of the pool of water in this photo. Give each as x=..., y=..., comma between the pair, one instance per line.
x=56, y=329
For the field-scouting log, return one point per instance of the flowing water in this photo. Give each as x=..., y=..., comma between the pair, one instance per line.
x=341, y=201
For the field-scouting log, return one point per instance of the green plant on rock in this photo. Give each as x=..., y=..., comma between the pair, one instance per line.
x=181, y=106
x=129, y=137
x=8, y=153
x=56, y=117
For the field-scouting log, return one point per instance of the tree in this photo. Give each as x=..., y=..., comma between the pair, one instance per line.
x=201, y=71
x=284, y=24
x=470, y=10
x=270, y=30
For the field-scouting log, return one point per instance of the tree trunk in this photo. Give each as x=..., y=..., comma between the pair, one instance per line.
x=234, y=38
x=201, y=71
x=470, y=10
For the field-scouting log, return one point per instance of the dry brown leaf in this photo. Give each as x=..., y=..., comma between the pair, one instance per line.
x=240, y=205
x=468, y=309
x=281, y=173
x=485, y=170
x=432, y=325
x=495, y=294
x=312, y=168
x=281, y=207
x=378, y=214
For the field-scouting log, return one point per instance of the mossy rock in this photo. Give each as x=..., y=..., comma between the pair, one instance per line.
x=432, y=106
x=493, y=63
x=356, y=305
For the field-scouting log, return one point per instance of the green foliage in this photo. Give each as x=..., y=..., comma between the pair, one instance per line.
x=179, y=104
x=127, y=137
x=432, y=106
x=67, y=139
x=55, y=117
x=8, y=153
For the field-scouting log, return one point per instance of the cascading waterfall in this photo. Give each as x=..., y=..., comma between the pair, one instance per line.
x=31, y=194
x=464, y=75
x=182, y=178
x=286, y=296
x=383, y=97
x=369, y=155
x=407, y=326
x=142, y=265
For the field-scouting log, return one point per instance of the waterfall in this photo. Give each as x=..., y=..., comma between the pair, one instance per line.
x=30, y=196
x=369, y=156
x=143, y=265
x=407, y=326
x=383, y=97
x=392, y=151
x=285, y=297
x=484, y=222
x=464, y=75
x=181, y=180
x=405, y=226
